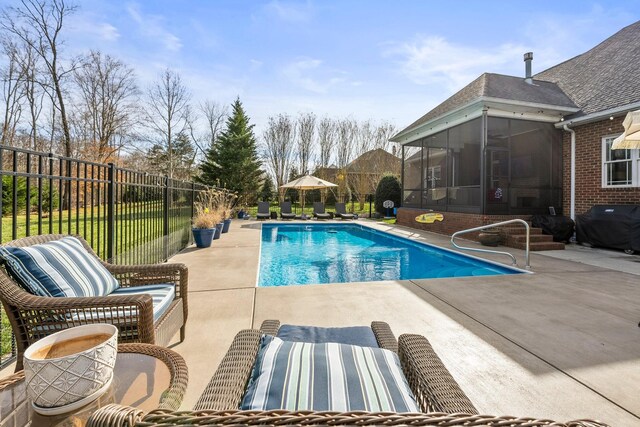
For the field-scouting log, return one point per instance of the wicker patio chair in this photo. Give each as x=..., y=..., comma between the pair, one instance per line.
x=437, y=394
x=34, y=317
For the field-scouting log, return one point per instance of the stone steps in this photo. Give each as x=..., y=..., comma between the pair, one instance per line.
x=516, y=237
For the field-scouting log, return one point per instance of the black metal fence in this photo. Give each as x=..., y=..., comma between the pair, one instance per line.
x=127, y=216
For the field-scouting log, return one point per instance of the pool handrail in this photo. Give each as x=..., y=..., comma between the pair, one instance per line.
x=497, y=224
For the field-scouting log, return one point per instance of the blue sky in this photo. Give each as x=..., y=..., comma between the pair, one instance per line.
x=385, y=60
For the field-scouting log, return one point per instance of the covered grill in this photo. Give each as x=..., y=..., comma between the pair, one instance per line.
x=610, y=226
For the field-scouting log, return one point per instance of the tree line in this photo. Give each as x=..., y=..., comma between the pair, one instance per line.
x=93, y=107
x=306, y=144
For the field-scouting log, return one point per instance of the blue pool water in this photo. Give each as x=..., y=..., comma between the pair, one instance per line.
x=301, y=254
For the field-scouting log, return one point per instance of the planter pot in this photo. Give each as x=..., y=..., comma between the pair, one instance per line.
x=203, y=236
x=241, y=214
x=225, y=227
x=489, y=237
x=71, y=368
x=218, y=231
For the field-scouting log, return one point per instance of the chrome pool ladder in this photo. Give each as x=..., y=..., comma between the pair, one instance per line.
x=498, y=224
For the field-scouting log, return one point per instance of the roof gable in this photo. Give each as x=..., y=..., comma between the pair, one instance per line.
x=499, y=86
x=606, y=76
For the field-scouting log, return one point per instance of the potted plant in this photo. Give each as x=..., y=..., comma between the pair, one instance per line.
x=227, y=200
x=203, y=228
x=206, y=217
x=219, y=225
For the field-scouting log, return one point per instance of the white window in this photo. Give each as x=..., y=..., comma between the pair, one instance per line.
x=619, y=167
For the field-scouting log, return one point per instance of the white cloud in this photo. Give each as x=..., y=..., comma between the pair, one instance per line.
x=152, y=27
x=435, y=60
x=87, y=25
x=255, y=65
x=290, y=12
x=305, y=73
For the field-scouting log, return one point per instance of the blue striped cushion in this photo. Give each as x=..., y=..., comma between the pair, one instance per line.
x=60, y=268
x=163, y=295
x=326, y=377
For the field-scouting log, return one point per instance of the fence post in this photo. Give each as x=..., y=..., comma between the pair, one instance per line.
x=111, y=208
x=165, y=217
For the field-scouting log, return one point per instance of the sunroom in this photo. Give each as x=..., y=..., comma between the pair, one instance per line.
x=498, y=154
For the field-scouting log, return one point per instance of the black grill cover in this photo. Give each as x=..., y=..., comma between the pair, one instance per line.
x=560, y=227
x=610, y=226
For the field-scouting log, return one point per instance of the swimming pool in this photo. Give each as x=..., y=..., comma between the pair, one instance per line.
x=303, y=254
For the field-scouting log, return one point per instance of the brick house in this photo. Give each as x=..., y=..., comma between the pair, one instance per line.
x=509, y=147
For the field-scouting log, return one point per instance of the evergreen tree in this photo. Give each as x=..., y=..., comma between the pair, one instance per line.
x=267, y=189
x=183, y=155
x=232, y=161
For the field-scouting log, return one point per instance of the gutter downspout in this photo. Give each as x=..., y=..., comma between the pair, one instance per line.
x=573, y=171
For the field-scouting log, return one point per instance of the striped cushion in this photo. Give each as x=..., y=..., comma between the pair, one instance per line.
x=163, y=295
x=60, y=268
x=326, y=377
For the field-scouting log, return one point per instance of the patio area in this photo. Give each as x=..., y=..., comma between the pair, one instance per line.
x=562, y=343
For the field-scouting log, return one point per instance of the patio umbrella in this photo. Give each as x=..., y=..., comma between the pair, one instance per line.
x=630, y=139
x=308, y=182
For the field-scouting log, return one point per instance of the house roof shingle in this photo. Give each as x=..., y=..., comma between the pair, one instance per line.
x=607, y=76
x=500, y=86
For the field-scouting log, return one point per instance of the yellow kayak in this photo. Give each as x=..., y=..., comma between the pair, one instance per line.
x=429, y=218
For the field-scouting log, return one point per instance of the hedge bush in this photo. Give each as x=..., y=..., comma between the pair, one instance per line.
x=388, y=189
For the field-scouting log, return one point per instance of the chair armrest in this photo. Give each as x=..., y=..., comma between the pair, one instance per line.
x=11, y=380
x=384, y=336
x=51, y=314
x=114, y=415
x=160, y=418
x=270, y=327
x=149, y=274
x=228, y=384
x=431, y=382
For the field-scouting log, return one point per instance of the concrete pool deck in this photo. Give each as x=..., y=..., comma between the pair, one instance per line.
x=563, y=343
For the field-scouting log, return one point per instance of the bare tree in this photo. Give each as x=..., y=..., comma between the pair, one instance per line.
x=279, y=143
x=306, y=130
x=107, y=102
x=33, y=90
x=326, y=141
x=214, y=114
x=358, y=174
x=168, y=112
x=11, y=74
x=345, y=141
x=383, y=133
x=345, y=130
x=38, y=24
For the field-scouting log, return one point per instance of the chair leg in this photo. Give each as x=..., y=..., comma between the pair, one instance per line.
x=182, y=333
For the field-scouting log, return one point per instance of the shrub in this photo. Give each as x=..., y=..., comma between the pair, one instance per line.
x=21, y=195
x=388, y=189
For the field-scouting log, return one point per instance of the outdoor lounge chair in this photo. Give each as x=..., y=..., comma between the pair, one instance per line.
x=263, y=210
x=438, y=395
x=318, y=211
x=341, y=212
x=148, y=306
x=285, y=211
